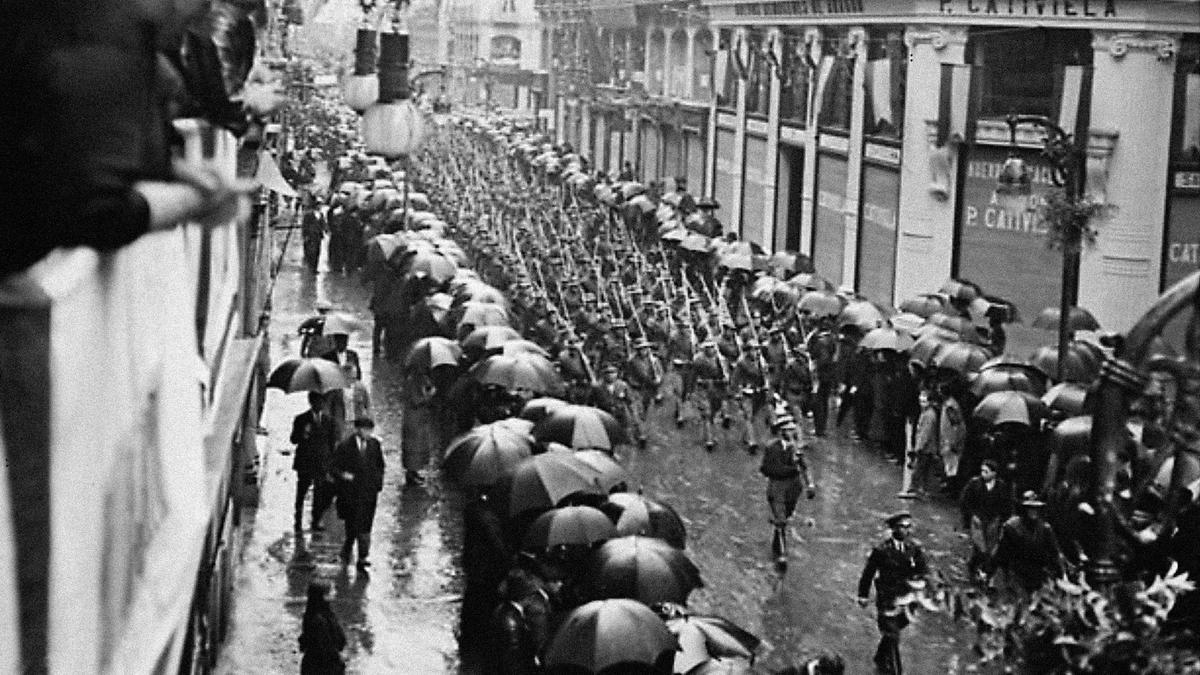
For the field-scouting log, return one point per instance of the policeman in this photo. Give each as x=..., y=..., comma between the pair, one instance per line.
x=784, y=465
x=896, y=566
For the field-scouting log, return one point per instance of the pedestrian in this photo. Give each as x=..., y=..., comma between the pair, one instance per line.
x=358, y=463
x=784, y=465
x=419, y=437
x=823, y=350
x=313, y=433
x=895, y=565
x=321, y=635
x=986, y=502
x=952, y=438
x=1028, y=549
x=356, y=400
x=313, y=341
x=926, y=444
x=340, y=354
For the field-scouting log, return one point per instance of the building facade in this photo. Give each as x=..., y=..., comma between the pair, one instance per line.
x=492, y=49
x=870, y=133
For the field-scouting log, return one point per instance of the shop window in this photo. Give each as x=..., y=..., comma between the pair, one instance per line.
x=793, y=99
x=1185, y=121
x=1021, y=70
x=836, y=82
x=887, y=70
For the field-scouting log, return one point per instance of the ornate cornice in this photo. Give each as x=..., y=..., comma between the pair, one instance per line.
x=1118, y=44
x=939, y=37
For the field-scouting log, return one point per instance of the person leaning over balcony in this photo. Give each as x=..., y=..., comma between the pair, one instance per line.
x=85, y=127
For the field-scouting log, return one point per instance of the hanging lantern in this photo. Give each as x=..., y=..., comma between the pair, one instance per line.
x=393, y=126
x=361, y=89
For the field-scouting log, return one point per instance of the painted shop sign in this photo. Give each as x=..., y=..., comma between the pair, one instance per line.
x=1105, y=9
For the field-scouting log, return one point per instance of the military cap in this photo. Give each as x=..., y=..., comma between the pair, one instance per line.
x=708, y=344
x=610, y=368
x=897, y=518
x=643, y=343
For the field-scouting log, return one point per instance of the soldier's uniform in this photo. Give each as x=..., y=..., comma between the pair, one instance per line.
x=713, y=387
x=617, y=397
x=892, y=565
x=784, y=465
x=680, y=352
x=645, y=373
x=751, y=387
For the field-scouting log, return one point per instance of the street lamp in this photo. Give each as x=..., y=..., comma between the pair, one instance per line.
x=1070, y=226
x=1015, y=184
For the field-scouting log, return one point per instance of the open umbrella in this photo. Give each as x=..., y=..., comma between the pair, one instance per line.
x=785, y=264
x=1017, y=407
x=810, y=281
x=523, y=347
x=961, y=357
x=863, y=314
x=820, y=303
x=907, y=322
x=430, y=352
x=474, y=290
x=609, y=634
x=926, y=348
x=961, y=290
x=989, y=307
x=532, y=372
x=722, y=637
x=568, y=526
x=480, y=314
x=635, y=514
x=542, y=481
x=581, y=427
x=487, y=338
x=924, y=305
x=959, y=325
x=537, y=409
x=431, y=264
x=1008, y=378
x=338, y=323
x=696, y=243
x=886, y=337
x=642, y=568
x=486, y=454
x=608, y=471
x=382, y=247
x=1081, y=363
x=1066, y=397
x=1078, y=319
x=319, y=375
x=728, y=665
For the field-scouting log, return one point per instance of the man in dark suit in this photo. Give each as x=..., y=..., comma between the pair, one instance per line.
x=893, y=566
x=358, y=464
x=313, y=433
x=341, y=355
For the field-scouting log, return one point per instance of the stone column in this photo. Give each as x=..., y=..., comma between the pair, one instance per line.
x=629, y=65
x=741, y=45
x=647, y=58
x=1128, y=154
x=858, y=40
x=689, y=88
x=770, y=168
x=668, y=64
x=812, y=38
x=926, y=219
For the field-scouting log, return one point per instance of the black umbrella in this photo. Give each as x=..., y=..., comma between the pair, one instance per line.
x=610, y=634
x=642, y=568
x=634, y=514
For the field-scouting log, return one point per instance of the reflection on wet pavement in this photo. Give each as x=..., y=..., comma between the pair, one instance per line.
x=402, y=616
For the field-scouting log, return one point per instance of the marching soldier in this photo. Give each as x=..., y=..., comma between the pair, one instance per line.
x=751, y=387
x=617, y=398
x=645, y=373
x=681, y=347
x=712, y=383
x=823, y=351
x=784, y=465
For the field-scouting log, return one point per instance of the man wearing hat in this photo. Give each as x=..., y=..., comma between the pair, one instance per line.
x=711, y=380
x=895, y=566
x=617, y=398
x=358, y=465
x=313, y=341
x=707, y=224
x=1028, y=549
x=645, y=372
x=787, y=474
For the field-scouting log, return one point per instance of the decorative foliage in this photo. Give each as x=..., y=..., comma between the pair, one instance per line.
x=1071, y=223
x=1070, y=627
